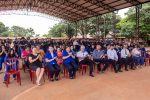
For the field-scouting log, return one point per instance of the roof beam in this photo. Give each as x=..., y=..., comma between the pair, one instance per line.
x=101, y=4
x=54, y=13
x=133, y=2
x=79, y=8
x=60, y=9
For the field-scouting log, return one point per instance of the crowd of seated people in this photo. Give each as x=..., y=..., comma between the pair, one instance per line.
x=60, y=54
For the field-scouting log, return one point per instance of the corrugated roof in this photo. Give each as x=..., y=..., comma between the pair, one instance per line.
x=71, y=10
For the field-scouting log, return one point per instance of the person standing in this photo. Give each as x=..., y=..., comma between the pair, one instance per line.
x=2, y=56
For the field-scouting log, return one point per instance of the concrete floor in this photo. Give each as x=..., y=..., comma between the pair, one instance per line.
x=131, y=85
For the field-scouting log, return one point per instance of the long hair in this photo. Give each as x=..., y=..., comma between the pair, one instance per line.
x=13, y=54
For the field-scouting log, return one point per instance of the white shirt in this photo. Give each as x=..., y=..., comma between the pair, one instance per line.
x=52, y=55
x=136, y=52
x=124, y=53
x=75, y=43
x=112, y=54
x=82, y=55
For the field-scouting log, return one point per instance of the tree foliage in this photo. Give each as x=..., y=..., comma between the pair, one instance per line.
x=127, y=25
x=15, y=31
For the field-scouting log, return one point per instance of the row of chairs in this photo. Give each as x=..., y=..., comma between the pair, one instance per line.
x=82, y=69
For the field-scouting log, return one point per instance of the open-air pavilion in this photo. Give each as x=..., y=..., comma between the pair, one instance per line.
x=127, y=86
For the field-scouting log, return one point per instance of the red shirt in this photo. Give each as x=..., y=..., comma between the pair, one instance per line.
x=25, y=54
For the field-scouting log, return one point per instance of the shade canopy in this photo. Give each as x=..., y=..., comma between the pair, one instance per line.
x=70, y=10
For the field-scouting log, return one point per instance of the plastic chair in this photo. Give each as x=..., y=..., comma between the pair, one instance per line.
x=33, y=76
x=147, y=61
x=23, y=66
x=66, y=74
x=83, y=68
x=14, y=70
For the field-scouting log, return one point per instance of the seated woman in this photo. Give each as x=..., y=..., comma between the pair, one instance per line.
x=69, y=62
x=59, y=55
x=25, y=55
x=11, y=54
x=50, y=59
x=136, y=53
x=35, y=60
x=2, y=56
x=40, y=51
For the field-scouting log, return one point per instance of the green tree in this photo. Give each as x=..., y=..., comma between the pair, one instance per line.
x=69, y=30
x=127, y=26
x=56, y=31
x=3, y=30
x=30, y=32
x=18, y=31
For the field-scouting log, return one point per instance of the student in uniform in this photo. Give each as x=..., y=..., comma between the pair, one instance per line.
x=50, y=59
x=69, y=62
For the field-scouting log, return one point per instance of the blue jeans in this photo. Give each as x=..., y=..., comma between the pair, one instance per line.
x=1, y=62
x=8, y=68
x=72, y=68
x=138, y=60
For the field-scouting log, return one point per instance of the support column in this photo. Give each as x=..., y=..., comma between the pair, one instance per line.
x=76, y=30
x=138, y=7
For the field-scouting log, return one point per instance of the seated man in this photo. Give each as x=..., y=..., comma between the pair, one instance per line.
x=125, y=57
x=69, y=62
x=84, y=58
x=99, y=56
x=136, y=53
x=112, y=57
x=118, y=63
x=50, y=59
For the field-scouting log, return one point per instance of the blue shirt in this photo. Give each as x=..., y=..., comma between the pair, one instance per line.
x=143, y=52
x=49, y=57
x=69, y=59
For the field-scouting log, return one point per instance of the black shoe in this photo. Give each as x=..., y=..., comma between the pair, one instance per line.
x=102, y=71
x=52, y=79
x=126, y=70
x=56, y=79
x=4, y=82
x=116, y=71
x=120, y=71
x=71, y=77
x=91, y=75
x=133, y=68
